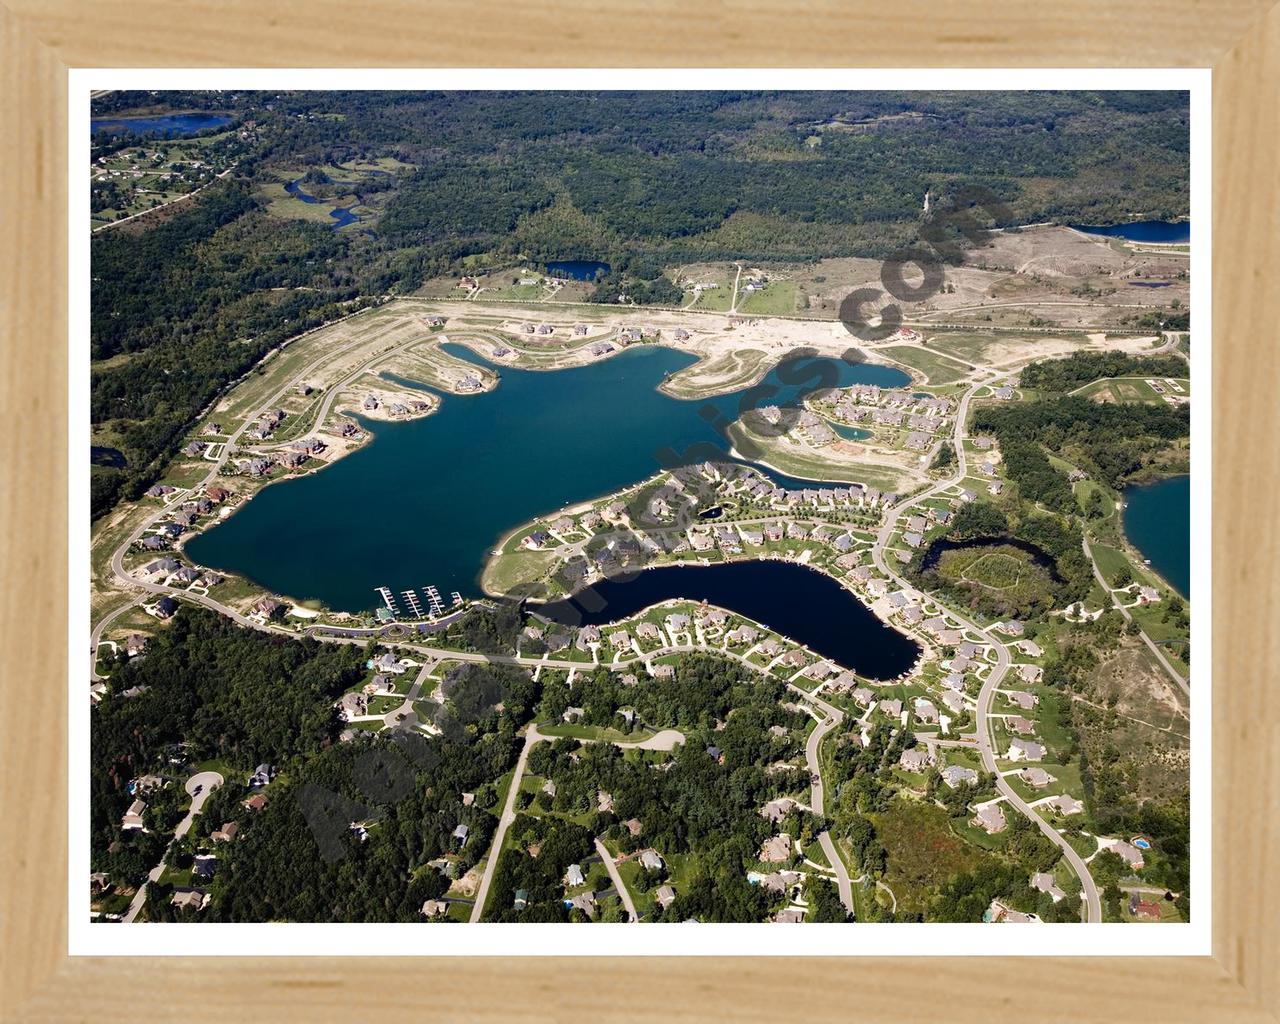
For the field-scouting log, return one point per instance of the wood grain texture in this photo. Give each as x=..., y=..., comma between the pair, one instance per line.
x=40, y=38
x=658, y=33
x=1246, y=375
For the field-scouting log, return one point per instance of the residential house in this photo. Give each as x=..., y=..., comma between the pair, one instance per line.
x=226, y=833
x=1036, y=778
x=1042, y=881
x=777, y=810
x=917, y=759
x=1130, y=854
x=990, y=818
x=955, y=774
x=1025, y=750
x=892, y=708
x=586, y=902
x=1146, y=909
x=132, y=819
x=1065, y=804
x=776, y=849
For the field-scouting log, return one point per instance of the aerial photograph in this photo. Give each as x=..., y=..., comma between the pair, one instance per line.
x=639, y=507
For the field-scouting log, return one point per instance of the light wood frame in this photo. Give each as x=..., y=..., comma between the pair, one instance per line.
x=41, y=39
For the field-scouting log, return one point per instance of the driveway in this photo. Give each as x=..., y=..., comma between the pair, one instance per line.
x=198, y=787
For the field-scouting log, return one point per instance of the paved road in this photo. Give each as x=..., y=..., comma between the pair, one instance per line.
x=392, y=718
x=618, y=883
x=834, y=716
x=95, y=638
x=205, y=783
x=667, y=739
x=996, y=673
x=504, y=822
x=1174, y=674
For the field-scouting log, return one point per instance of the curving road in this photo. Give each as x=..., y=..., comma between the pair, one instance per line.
x=818, y=798
x=1174, y=674
x=997, y=672
x=199, y=786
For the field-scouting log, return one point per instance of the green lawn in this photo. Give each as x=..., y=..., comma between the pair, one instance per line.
x=935, y=366
x=776, y=298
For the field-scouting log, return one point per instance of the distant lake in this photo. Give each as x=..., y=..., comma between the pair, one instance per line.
x=168, y=125
x=578, y=270
x=1143, y=230
x=425, y=501
x=850, y=433
x=801, y=603
x=1157, y=521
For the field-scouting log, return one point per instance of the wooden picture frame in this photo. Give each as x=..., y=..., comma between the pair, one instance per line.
x=41, y=39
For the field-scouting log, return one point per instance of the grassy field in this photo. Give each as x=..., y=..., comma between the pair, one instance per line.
x=727, y=373
x=1132, y=389
x=775, y=299
x=971, y=347
x=937, y=368
x=1005, y=573
x=811, y=465
x=923, y=850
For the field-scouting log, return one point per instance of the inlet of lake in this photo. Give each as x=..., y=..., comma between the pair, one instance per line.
x=801, y=603
x=1157, y=521
x=426, y=501
x=1176, y=232
x=341, y=217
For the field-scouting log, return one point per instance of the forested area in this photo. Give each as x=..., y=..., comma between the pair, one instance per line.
x=1111, y=443
x=702, y=806
x=215, y=690
x=1043, y=538
x=212, y=689
x=183, y=308
x=1081, y=368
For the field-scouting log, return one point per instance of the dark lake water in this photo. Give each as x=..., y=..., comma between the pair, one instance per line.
x=1143, y=230
x=1157, y=521
x=169, y=125
x=940, y=546
x=578, y=270
x=101, y=456
x=425, y=501
x=806, y=605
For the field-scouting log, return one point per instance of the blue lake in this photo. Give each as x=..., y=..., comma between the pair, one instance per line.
x=167, y=125
x=425, y=501
x=1157, y=521
x=578, y=270
x=1143, y=230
